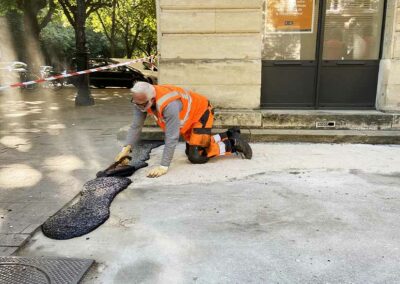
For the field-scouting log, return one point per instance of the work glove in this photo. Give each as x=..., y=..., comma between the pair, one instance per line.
x=126, y=150
x=157, y=171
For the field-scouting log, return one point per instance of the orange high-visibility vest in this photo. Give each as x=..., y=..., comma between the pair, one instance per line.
x=193, y=105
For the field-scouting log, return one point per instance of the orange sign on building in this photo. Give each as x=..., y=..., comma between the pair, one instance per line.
x=293, y=16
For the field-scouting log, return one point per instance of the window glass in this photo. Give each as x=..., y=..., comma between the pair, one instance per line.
x=290, y=29
x=353, y=29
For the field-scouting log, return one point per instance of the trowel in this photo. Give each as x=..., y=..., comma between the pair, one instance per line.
x=118, y=170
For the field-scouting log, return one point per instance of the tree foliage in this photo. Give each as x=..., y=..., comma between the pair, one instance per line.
x=130, y=22
x=59, y=43
x=36, y=13
x=71, y=8
x=30, y=16
x=115, y=28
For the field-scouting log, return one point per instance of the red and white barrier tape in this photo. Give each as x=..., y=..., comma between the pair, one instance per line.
x=77, y=73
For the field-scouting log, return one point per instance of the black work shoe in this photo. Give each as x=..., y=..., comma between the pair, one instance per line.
x=234, y=131
x=243, y=147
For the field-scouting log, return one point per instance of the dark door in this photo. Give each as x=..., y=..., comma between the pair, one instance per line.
x=290, y=62
x=350, y=53
x=321, y=53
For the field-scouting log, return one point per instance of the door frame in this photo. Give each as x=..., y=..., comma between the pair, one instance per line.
x=319, y=62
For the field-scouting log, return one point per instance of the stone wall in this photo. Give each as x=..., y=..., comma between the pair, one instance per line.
x=388, y=96
x=212, y=47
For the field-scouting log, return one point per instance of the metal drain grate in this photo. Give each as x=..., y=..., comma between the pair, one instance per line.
x=325, y=124
x=21, y=270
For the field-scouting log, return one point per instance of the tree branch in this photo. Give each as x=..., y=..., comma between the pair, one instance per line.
x=47, y=18
x=104, y=26
x=136, y=37
x=94, y=6
x=69, y=6
x=20, y=4
x=118, y=21
x=68, y=11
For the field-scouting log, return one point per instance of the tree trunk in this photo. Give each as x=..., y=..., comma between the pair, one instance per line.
x=31, y=24
x=83, y=96
x=130, y=46
x=129, y=52
x=113, y=23
x=33, y=56
x=127, y=44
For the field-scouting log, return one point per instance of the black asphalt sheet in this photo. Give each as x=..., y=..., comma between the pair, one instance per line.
x=93, y=207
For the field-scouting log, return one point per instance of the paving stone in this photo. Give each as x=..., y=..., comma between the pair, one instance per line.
x=12, y=240
x=31, y=211
x=6, y=251
x=31, y=228
x=10, y=207
x=7, y=227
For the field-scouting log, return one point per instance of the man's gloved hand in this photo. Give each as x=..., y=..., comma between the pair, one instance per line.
x=157, y=171
x=124, y=152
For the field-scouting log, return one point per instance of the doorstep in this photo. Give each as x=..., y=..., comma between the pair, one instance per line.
x=319, y=126
x=330, y=119
x=294, y=135
x=304, y=119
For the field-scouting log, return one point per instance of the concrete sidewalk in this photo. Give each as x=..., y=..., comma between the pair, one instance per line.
x=296, y=213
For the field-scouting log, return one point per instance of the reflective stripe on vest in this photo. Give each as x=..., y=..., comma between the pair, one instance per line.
x=161, y=101
x=189, y=98
x=186, y=96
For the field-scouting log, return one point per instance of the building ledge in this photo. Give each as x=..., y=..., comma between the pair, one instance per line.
x=294, y=135
x=304, y=119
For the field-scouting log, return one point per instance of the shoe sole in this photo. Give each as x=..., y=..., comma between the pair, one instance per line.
x=245, y=149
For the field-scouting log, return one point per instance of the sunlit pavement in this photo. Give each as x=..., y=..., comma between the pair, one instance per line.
x=295, y=213
x=48, y=149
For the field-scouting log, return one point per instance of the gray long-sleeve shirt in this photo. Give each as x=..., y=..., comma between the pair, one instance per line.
x=172, y=126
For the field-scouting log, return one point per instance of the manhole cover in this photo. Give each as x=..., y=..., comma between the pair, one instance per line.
x=21, y=270
x=21, y=273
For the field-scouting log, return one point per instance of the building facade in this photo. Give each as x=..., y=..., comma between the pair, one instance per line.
x=307, y=54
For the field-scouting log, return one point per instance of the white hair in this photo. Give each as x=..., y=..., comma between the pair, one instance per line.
x=144, y=88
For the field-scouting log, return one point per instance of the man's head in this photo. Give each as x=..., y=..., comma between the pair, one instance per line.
x=143, y=95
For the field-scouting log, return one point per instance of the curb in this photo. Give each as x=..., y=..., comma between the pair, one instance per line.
x=294, y=135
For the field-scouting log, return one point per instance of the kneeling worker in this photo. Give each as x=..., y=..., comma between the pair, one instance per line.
x=180, y=112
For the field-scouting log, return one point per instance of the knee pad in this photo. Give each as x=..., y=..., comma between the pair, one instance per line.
x=197, y=155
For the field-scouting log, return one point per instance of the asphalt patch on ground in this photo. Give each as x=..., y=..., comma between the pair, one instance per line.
x=93, y=207
x=141, y=153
